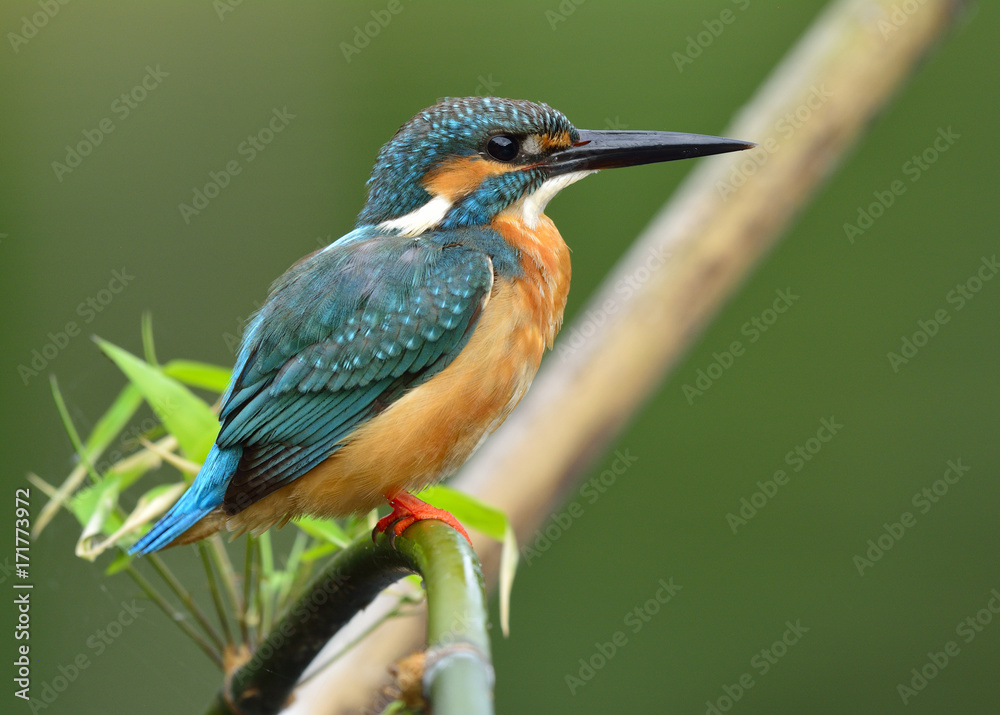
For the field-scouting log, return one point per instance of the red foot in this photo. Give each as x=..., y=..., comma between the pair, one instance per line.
x=406, y=510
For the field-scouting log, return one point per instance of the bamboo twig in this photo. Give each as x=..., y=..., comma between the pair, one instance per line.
x=228, y=575
x=246, y=630
x=265, y=582
x=213, y=587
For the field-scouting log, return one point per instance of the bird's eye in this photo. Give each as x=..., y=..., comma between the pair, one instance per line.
x=503, y=147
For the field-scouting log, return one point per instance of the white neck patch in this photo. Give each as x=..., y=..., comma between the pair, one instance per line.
x=420, y=220
x=531, y=206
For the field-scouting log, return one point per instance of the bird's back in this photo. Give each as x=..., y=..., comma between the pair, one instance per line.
x=425, y=434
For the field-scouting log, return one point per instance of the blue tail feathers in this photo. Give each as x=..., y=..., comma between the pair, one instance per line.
x=205, y=493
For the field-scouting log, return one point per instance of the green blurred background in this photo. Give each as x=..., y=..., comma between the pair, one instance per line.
x=665, y=517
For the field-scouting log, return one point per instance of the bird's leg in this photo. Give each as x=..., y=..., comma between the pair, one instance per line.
x=406, y=510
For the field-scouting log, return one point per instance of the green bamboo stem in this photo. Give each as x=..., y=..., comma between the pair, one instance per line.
x=248, y=632
x=265, y=583
x=459, y=673
x=227, y=574
x=458, y=676
x=286, y=592
x=74, y=436
x=223, y=564
x=303, y=574
x=213, y=586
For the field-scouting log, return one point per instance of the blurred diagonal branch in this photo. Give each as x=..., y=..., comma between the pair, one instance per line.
x=703, y=244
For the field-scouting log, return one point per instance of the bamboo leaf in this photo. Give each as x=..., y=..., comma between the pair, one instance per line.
x=148, y=347
x=135, y=465
x=120, y=563
x=467, y=509
x=184, y=415
x=43, y=486
x=74, y=436
x=129, y=471
x=113, y=421
x=184, y=466
x=508, y=567
x=86, y=501
x=107, y=428
x=324, y=530
x=95, y=508
x=150, y=505
x=199, y=374
x=318, y=552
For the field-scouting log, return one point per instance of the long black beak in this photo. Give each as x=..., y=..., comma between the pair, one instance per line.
x=611, y=149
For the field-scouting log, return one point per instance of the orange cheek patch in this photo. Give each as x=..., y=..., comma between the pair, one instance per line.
x=555, y=141
x=461, y=175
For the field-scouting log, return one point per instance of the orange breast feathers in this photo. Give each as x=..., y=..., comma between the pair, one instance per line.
x=546, y=265
x=432, y=430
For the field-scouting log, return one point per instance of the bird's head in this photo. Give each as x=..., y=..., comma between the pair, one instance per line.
x=464, y=161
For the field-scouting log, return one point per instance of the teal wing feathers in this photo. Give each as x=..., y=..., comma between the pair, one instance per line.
x=344, y=334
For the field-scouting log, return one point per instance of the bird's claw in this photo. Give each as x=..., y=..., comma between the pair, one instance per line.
x=394, y=524
x=406, y=511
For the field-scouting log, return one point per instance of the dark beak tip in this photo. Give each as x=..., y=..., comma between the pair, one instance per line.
x=595, y=150
x=736, y=144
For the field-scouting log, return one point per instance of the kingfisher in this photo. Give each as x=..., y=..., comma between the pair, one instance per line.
x=378, y=364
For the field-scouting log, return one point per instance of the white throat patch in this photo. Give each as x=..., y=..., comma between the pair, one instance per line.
x=530, y=207
x=420, y=220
